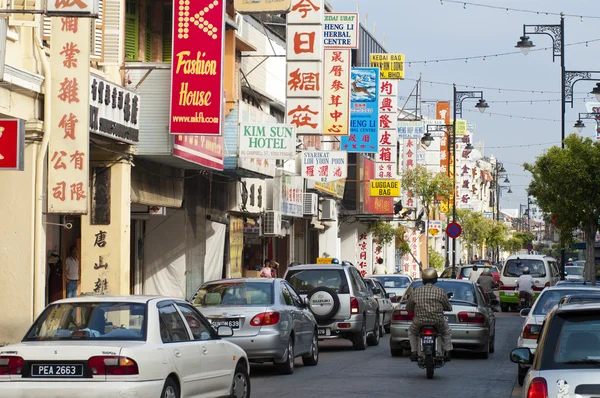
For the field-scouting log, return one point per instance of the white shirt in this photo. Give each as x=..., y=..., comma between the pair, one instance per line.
x=474, y=275
x=380, y=269
x=72, y=269
x=525, y=283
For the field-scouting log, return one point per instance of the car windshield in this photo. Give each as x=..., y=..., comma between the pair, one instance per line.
x=394, y=282
x=90, y=321
x=461, y=291
x=574, y=271
x=304, y=281
x=549, y=298
x=514, y=268
x=579, y=339
x=466, y=271
x=234, y=294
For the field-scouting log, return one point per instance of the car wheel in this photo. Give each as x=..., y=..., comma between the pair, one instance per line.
x=397, y=352
x=240, y=386
x=493, y=344
x=504, y=307
x=359, y=340
x=373, y=339
x=170, y=390
x=521, y=373
x=485, y=351
x=287, y=368
x=312, y=358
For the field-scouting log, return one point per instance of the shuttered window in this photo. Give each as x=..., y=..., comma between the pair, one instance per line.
x=131, y=30
x=167, y=33
x=148, y=36
x=97, y=36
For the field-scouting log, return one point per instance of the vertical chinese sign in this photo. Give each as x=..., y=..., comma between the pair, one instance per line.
x=197, y=67
x=409, y=161
x=236, y=245
x=68, y=150
x=411, y=265
x=386, y=160
x=364, y=115
x=305, y=66
x=337, y=92
x=374, y=204
x=442, y=112
x=365, y=244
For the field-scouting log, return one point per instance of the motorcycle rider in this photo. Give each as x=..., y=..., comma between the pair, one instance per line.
x=525, y=285
x=487, y=283
x=428, y=303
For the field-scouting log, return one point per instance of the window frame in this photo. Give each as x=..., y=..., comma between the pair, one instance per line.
x=164, y=304
x=211, y=331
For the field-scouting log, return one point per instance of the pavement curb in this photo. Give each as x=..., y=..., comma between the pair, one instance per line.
x=517, y=391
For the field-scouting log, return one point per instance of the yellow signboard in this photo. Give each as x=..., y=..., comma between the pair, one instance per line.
x=444, y=207
x=324, y=260
x=391, y=66
x=388, y=188
x=461, y=127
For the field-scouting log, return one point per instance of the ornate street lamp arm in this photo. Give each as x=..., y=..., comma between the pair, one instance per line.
x=460, y=96
x=572, y=77
x=554, y=31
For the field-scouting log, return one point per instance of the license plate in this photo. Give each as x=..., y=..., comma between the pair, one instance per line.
x=509, y=293
x=324, y=332
x=56, y=370
x=427, y=339
x=233, y=323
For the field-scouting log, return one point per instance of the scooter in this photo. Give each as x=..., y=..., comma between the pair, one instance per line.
x=524, y=300
x=430, y=350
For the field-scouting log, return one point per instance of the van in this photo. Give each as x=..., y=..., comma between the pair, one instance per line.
x=543, y=269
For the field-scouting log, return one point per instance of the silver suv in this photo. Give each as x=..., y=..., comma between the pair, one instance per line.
x=340, y=301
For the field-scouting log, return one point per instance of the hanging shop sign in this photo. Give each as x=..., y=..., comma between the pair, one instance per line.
x=364, y=115
x=236, y=246
x=200, y=149
x=387, y=145
x=434, y=228
x=114, y=111
x=267, y=141
x=262, y=6
x=324, y=166
x=72, y=8
x=341, y=30
x=374, y=204
x=388, y=188
x=391, y=66
x=68, y=149
x=197, y=67
x=12, y=144
x=337, y=92
x=289, y=197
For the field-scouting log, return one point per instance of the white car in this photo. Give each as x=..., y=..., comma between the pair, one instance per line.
x=133, y=346
x=534, y=317
x=394, y=284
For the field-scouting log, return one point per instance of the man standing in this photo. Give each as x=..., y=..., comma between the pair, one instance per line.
x=380, y=269
x=72, y=268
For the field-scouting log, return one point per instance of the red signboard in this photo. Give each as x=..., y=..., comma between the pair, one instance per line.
x=197, y=67
x=374, y=205
x=12, y=144
x=200, y=149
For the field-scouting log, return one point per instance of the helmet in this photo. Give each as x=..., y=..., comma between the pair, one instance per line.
x=487, y=272
x=525, y=270
x=430, y=275
x=335, y=261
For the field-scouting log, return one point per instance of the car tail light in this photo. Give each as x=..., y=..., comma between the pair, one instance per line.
x=531, y=331
x=354, y=307
x=402, y=315
x=266, y=319
x=113, y=366
x=11, y=365
x=538, y=388
x=471, y=317
x=344, y=325
x=394, y=299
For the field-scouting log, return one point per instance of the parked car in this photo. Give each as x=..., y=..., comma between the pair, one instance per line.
x=543, y=269
x=270, y=321
x=464, y=271
x=567, y=358
x=482, y=262
x=534, y=317
x=385, y=305
x=471, y=320
x=339, y=298
x=104, y=346
x=580, y=298
x=574, y=273
x=395, y=285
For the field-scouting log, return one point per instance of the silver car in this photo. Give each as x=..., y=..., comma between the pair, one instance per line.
x=269, y=319
x=471, y=320
x=385, y=305
x=574, y=273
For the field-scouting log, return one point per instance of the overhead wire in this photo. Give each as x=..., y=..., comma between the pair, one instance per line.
x=507, y=9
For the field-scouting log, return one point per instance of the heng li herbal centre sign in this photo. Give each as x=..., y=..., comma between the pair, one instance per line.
x=267, y=141
x=197, y=67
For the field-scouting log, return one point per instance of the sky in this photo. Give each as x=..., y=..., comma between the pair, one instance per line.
x=426, y=30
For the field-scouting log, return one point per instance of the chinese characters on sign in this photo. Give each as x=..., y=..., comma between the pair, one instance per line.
x=374, y=204
x=364, y=248
x=291, y=194
x=409, y=160
x=236, y=246
x=12, y=144
x=442, y=112
x=337, y=92
x=386, y=160
x=305, y=66
x=341, y=30
x=411, y=265
x=72, y=8
x=391, y=66
x=197, y=67
x=324, y=166
x=262, y=6
x=364, y=115
x=68, y=150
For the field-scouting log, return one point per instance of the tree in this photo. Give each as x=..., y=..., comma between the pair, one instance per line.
x=497, y=234
x=566, y=184
x=512, y=245
x=436, y=260
x=427, y=187
x=526, y=237
x=475, y=228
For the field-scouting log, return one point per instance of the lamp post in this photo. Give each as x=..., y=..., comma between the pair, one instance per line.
x=499, y=190
x=499, y=172
x=579, y=125
x=459, y=97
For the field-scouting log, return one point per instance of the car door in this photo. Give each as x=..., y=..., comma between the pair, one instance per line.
x=387, y=306
x=371, y=304
x=296, y=316
x=307, y=319
x=180, y=346
x=484, y=305
x=216, y=364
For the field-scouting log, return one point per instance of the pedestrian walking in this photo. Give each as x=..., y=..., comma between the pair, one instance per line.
x=72, y=269
x=380, y=269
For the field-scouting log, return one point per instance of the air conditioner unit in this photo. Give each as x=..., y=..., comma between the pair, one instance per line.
x=271, y=223
x=311, y=204
x=328, y=210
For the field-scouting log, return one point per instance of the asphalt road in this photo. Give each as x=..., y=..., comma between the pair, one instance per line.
x=343, y=372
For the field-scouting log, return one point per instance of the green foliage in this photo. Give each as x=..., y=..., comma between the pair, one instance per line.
x=383, y=232
x=475, y=228
x=427, y=186
x=526, y=237
x=512, y=245
x=401, y=243
x=436, y=260
x=497, y=233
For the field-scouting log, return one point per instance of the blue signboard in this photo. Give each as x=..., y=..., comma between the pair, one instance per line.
x=364, y=111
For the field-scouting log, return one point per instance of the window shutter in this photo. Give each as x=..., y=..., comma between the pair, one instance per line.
x=97, y=37
x=167, y=34
x=47, y=28
x=131, y=31
x=113, y=43
x=148, y=36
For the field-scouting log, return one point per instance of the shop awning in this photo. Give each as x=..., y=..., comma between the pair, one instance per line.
x=154, y=185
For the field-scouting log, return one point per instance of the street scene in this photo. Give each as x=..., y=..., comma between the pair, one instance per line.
x=258, y=198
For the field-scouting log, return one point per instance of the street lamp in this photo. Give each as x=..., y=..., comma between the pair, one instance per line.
x=525, y=45
x=482, y=105
x=427, y=139
x=596, y=92
x=579, y=125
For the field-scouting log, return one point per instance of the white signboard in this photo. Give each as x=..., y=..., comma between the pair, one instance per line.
x=325, y=166
x=341, y=30
x=76, y=8
x=267, y=141
x=288, y=197
x=435, y=228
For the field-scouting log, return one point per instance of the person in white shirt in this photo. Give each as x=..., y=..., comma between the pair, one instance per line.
x=380, y=269
x=525, y=285
x=475, y=274
x=72, y=272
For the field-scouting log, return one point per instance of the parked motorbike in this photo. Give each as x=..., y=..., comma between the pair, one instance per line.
x=430, y=350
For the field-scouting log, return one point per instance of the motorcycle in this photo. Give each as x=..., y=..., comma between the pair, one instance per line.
x=430, y=351
x=524, y=300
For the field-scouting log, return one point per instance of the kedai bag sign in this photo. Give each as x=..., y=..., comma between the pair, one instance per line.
x=264, y=141
x=197, y=67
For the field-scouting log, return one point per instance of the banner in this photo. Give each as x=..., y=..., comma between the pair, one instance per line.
x=371, y=204
x=341, y=30
x=12, y=144
x=197, y=67
x=236, y=247
x=409, y=161
x=267, y=141
x=364, y=115
x=442, y=112
x=337, y=92
x=289, y=195
x=387, y=151
x=391, y=66
x=324, y=166
x=68, y=149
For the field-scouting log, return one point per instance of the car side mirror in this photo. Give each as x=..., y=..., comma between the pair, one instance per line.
x=525, y=312
x=494, y=302
x=376, y=291
x=522, y=356
x=224, y=331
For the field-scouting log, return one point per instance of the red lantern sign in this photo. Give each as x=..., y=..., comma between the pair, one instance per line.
x=12, y=144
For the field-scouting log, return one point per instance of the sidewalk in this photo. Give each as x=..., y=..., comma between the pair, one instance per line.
x=517, y=391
